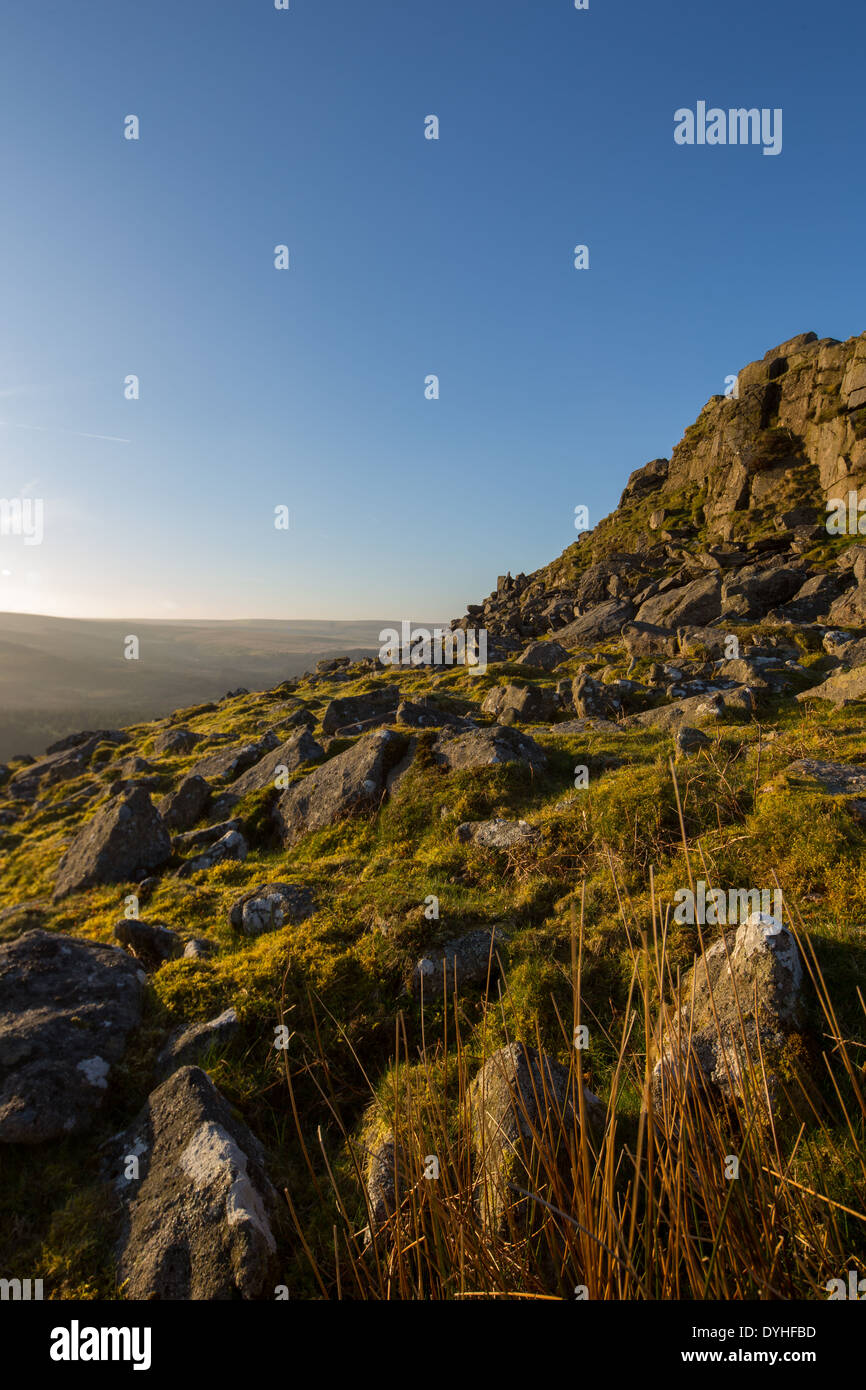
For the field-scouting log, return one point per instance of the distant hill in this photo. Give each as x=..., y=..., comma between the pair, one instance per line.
x=58, y=675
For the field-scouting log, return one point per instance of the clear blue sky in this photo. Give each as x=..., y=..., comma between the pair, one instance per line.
x=408, y=257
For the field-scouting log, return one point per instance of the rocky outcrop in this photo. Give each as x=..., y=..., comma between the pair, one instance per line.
x=357, y=712
x=181, y=809
x=67, y=1008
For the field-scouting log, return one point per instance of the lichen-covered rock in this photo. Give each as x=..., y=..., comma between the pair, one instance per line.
x=351, y=784
x=519, y=1101
x=298, y=751
x=698, y=602
x=197, y=1220
x=182, y=808
x=467, y=962
x=67, y=1007
x=738, y=1005
x=523, y=702
x=126, y=836
x=843, y=688
x=486, y=748
x=354, y=712
x=497, y=834
x=271, y=906
x=544, y=656
x=231, y=846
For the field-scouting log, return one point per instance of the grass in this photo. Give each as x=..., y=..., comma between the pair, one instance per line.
x=641, y=1211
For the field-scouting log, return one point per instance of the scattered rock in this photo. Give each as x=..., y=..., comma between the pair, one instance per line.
x=515, y=1096
x=527, y=702
x=172, y=743
x=376, y=707
x=67, y=1007
x=126, y=836
x=298, y=751
x=188, y=1045
x=843, y=688
x=232, y=846
x=152, y=943
x=199, y=948
x=835, y=779
x=689, y=740
x=181, y=809
x=197, y=1220
x=741, y=1000
x=350, y=784
x=544, y=656
x=497, y=834
x=229, y=763
x=460, y=964
x=271, y=906
x=486, y=748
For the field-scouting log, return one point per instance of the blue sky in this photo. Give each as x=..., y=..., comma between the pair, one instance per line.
x=408, y=257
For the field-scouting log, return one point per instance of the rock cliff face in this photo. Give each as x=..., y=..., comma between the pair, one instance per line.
x=743, y=492
x=801, y=410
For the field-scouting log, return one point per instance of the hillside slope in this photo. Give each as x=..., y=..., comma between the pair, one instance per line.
x=403, y=949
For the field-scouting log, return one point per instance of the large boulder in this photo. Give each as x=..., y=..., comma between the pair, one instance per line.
x=355, y=712
x=519, y=1102
x=544, y=656
x=488, y=747
x=752, y=591
x=197, y=1218
x=182, y=808
x=738, y=1006
x=603, y=620
x=698, y=602
x=843, y=688
x=524, y=702
x=67, y=1007
x=229, y=763
x=298, y=751
x=123, y=838
x=351, y=784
